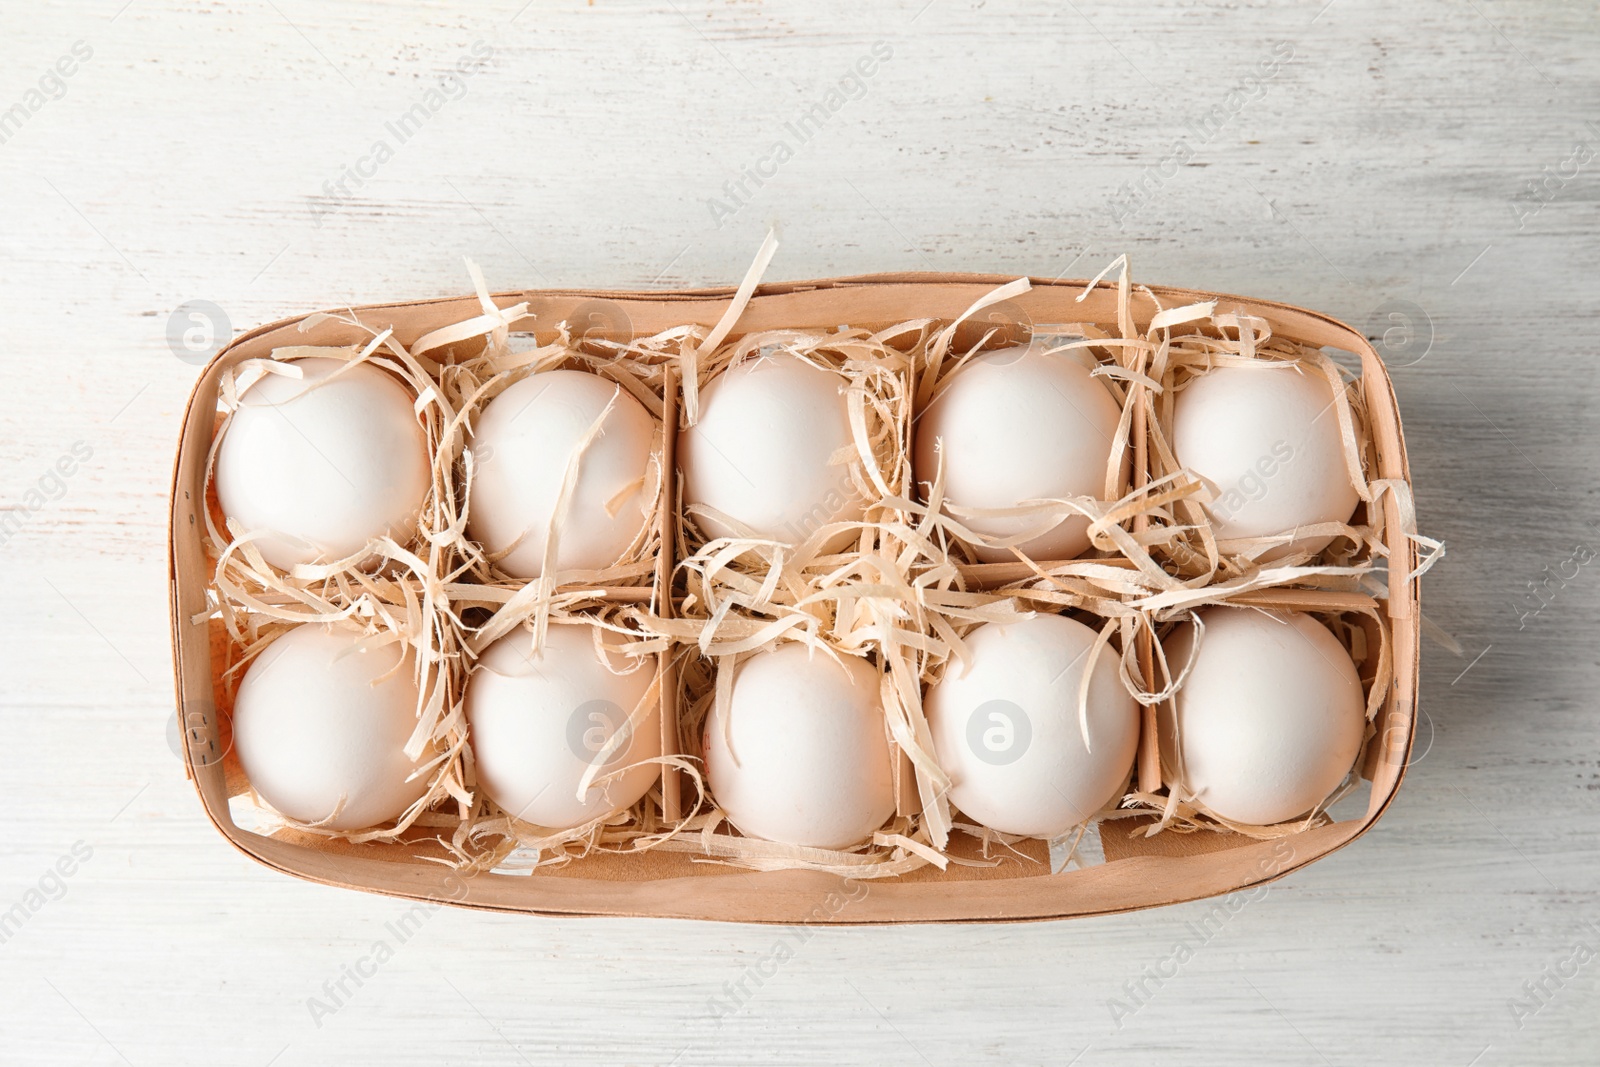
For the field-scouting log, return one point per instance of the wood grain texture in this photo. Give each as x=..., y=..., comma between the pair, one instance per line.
x=1376, y=168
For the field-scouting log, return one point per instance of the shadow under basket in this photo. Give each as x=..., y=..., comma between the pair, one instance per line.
x=1137, y=872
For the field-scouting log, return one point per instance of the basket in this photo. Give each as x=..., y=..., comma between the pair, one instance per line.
x=1138, y=872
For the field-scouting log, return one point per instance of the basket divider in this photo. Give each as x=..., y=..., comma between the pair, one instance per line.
x=666, y=565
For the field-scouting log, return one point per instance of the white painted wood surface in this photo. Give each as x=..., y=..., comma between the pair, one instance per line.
x=1380, y=160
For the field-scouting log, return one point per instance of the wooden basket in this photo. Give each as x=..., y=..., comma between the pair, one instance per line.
x=1138, y=872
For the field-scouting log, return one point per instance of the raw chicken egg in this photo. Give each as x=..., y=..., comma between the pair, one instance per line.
x=526, y=440
x=1014, y=425
x=1006, y=728
x=800, y=753
x=1270, y=718
x=320, y=724
x=323, y=465
x=538, y=719
x=766, y=451
x=1267, y=439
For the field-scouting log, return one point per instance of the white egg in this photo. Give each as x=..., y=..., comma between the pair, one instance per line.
x=524, y=441
x=800, y=754
x=539, y=719
x=1006, y=728
x=1019, y=424
x=320, y=721
x=1269, y=720
x=762, y=450
x=1267, y=439
x=324, y=467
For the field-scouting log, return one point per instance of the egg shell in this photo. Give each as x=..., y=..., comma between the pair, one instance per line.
x=1006, y=729
x=800, y=755
x=1267, y=439
x=1270, y=718
x=312, y=724
x=761, y=451
x=539, y=719
x=324, y=467
x=1019, y=424
x=523, y=442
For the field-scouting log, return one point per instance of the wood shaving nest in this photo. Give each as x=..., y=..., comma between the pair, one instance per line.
x=899, y=594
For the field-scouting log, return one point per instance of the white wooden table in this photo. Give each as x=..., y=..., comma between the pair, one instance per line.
x=1363, y=158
